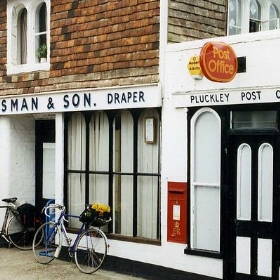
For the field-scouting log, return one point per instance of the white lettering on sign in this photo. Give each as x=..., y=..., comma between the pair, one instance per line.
x=248, y=96
x=100, y=99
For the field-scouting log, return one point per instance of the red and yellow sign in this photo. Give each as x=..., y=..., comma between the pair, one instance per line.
x=218, y=62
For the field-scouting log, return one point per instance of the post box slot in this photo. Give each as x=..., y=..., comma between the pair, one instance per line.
x=175, y=191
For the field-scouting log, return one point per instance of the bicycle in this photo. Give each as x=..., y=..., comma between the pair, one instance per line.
x=20, y=224
x=89, y=247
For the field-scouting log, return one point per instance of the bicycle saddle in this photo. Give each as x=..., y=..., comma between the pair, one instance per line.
x=10, y=200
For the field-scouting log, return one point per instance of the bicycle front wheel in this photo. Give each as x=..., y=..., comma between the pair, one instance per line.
x=90, y=250
x=20, y=236
x=47, y=242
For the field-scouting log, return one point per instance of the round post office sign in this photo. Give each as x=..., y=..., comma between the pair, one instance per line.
x=218, y=62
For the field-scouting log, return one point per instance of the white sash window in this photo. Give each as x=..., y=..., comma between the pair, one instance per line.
x=246, y=16
x=28, y=28
x=205, y=180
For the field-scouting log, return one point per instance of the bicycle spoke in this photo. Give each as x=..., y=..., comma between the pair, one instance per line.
x=91, y=249
x=20, y=236
x=44, y=243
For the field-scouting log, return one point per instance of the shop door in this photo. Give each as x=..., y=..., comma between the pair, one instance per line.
x=253, y=175
x=45, y=161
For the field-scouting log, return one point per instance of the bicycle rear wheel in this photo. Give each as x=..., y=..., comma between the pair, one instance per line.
x=20, y=236
x=90, y=250
x=47, y=240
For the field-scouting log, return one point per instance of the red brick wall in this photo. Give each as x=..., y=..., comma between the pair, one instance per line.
x=190, y=20
x=3, y=41
x=93, y=44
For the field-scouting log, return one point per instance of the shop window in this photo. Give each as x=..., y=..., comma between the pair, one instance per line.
x=252, y=16
x=110, y=161
x=27, y=29
x=257, y=119
x=205, y=180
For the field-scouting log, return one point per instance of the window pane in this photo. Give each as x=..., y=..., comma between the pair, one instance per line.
x=254, y=120
x=23, y=36
x=207, y=219
x=99, y=158
x=147, y=187
x=255, y=16
x=273, y=17
x=76, y=197
x=234, y=17
x=207, y=161
x=123, y=163
x=76, y=142
x=265, y=182
x=244, y=182
x=147, y=210
x=41, y=28
x=205, y=183
x=98, y=188
x=76, y=161
x=123, y=208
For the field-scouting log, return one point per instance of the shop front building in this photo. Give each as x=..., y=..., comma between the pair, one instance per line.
x=80, y=115
x=119, y=109
x=227, y=147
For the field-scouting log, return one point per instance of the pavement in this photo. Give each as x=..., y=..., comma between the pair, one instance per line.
x=20, y=265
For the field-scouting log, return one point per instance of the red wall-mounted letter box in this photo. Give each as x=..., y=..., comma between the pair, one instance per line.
x=177, y=212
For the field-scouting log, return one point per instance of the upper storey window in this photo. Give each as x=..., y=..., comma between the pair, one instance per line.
x=246, y=16
x=28, y=36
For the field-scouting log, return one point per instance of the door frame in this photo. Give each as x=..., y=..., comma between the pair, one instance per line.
x=230, y=201
x=44, y=133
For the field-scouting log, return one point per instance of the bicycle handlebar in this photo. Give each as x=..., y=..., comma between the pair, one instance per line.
x=54, y=206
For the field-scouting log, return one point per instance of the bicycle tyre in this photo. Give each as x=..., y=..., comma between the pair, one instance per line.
x=47, y=240
x=90, y=250
x=20, y=236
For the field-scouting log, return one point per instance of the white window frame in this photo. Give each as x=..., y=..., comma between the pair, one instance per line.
x=245, y=14
x=32, y=62
x=210, y=185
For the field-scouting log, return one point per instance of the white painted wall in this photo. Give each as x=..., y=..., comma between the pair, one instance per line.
x=17, y=159
x=260, y=50
x=263, y=68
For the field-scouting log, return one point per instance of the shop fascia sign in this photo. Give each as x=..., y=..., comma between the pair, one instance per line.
x=217, y=62
x=230, y=97
x=144, y=96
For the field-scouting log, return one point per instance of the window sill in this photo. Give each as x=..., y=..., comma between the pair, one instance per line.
x=203, y=253
x=25, y=68
x=141, y=240
x=119, y=237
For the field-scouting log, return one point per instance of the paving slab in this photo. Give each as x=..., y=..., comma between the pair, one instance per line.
x=20, y=265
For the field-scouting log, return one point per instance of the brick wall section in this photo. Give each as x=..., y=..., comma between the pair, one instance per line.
x=93, y=44
x=3, y=41
x=189, y=20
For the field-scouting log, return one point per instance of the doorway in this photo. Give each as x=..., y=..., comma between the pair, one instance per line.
x=44, y=161
x=253, y=177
